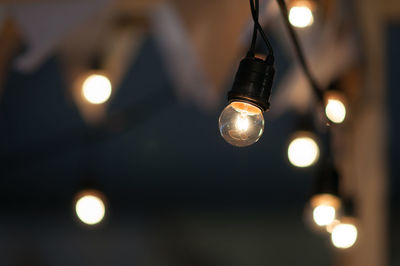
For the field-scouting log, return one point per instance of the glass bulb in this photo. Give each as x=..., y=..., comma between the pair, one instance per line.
x=303, y=150
x=324, y=215
x=241, y=124
x=324, y=208
x=96, y=88
x=335, y=108
x=301, y=15
x=89, y=207
x=344, y=235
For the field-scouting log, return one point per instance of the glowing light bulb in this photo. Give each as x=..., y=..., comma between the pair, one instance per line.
x=96, y=88
x=335, y=108
x=303, y=150
x=324, y=208
x=300, y=14
x=241, y=124
x=344, y=235
x=324, y=215
x=89, y=207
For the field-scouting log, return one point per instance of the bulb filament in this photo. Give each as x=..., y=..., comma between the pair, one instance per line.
x=242, y=123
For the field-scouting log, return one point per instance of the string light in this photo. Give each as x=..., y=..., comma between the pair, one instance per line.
x=90, y=207
x=303, y=150
x=301, y=14
x=344, y=235
x=325, y=202
x=241, y=123
x=96, y=88
x=324, y=208
x=335, y=108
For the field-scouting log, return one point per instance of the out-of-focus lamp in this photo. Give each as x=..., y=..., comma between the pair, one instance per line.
x=325, y=201
x=303, y=149
x=344, y=234
x=335, y=105
x=90, y=206
x=301, y=13
x=96, y=88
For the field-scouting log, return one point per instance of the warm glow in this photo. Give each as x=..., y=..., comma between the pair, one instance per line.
x=324, y=208
x=303, y=151
x=246, y=108
x=329, y=227
x=90, y=208
x=335, y=108
x=96, y=89
x=324, y=215
x=344, y=235
x=301, y=15
x=241, y=124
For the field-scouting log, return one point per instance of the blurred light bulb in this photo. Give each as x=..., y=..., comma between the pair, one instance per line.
x=324, y=208
x=96, y=88
x=303, y=151
x=300, y=14
x=90, y=207
x=324, y=215
x=241, y=124
x=344, y=235
x=335, y=108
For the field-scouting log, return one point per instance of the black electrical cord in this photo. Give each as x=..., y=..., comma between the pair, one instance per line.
x=254, y=37
x=254, y=6
x=299, y=52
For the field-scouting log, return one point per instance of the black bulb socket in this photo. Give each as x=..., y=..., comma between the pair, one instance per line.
x=348, y=209
x=327, y=181
x=253, y=82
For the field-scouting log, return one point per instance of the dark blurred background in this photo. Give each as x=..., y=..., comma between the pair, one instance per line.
x=176, y=192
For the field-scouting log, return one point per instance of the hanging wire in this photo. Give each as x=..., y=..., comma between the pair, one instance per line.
x=254, y=37
x=254, y=6
x=299, y=52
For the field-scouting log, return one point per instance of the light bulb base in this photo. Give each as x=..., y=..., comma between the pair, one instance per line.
x=348, y=209
x=327, y=179
x=253, y=82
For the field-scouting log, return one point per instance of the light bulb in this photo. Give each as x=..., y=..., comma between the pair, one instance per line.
x=324, y=215
x=241, y=124
x=344, y=235
x=89, y=207
x=335, y=108
x=96, y=88
x=303, y=150
x=300, y=14
x=324, y=208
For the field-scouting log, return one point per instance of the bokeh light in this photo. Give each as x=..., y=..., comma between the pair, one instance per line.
x=300, y=14
x=324, y=208
x=335, y=108
x=90, y=207
x=303, y=150
x=96, y=88
x=344, y=235
x=324, y=214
